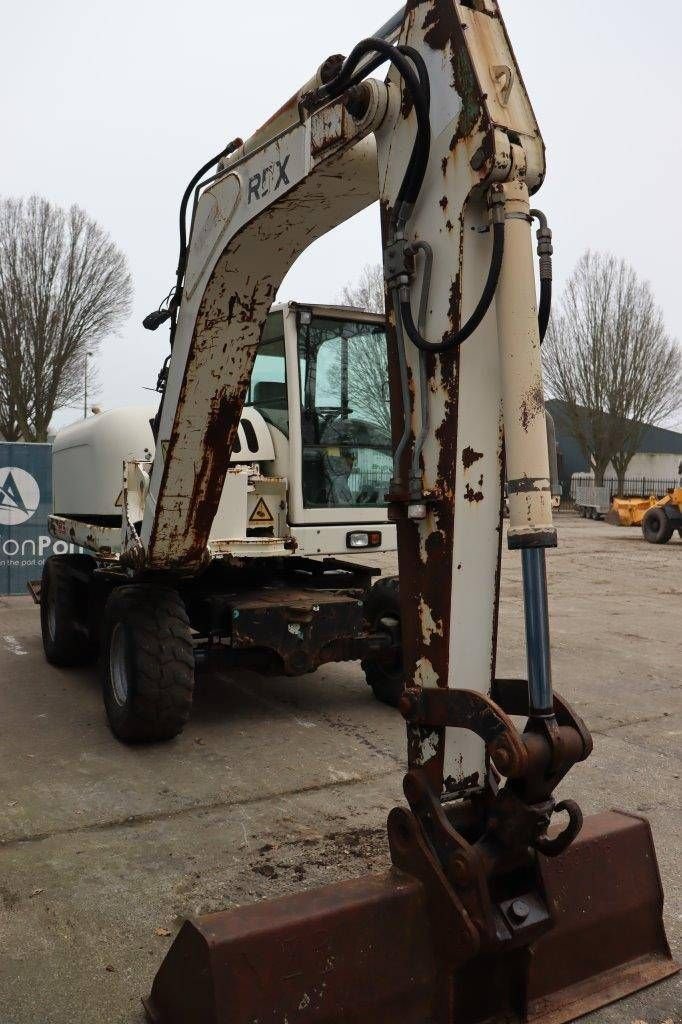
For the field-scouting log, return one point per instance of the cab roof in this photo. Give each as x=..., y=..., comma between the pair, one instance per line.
x=339, y=312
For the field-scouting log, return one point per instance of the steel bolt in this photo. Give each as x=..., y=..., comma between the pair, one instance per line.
x=519, y=911
x=331, y=68
x=358, y=100
x=460, y=871
x=502, y=757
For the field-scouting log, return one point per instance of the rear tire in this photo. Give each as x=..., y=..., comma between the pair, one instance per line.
x=64, y=610
x=656, y=527
x=382, y=611
x=147, y=664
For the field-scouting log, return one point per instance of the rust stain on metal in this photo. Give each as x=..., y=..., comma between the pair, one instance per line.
x=532, y=405
x=223, y=420
x=220, y=433
x=407, y=103
x=443, y=203
x=453, y=785
x=442, y=28
x=469, y=457
x=501, y=466
x=473, y=496
x=455, y=306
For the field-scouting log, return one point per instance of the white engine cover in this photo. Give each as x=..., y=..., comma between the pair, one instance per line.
x=88, y=457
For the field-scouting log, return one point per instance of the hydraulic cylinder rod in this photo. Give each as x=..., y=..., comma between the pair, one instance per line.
x=540, y=694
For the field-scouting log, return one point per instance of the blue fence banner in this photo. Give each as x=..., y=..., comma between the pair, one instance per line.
x=25, y=503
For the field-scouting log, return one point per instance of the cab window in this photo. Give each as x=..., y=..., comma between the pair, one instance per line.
x=345, y=414
x=268, y=387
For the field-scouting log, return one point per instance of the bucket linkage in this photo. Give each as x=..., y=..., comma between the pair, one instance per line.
x=489, y=913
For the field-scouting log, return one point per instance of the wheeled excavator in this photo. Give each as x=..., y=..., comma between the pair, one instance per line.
x=502, y=902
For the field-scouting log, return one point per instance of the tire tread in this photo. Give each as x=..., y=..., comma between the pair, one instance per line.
x=163, y=657
x=383, y=598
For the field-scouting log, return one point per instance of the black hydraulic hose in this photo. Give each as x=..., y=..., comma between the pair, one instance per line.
x=419, y=158
x=188, y=192
x=182, y=261
x=545, y=310
x=159, y=316
x=545, y=252
x=457, y=337
x=404, y=60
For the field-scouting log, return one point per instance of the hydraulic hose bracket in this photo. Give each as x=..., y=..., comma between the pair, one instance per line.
x=399, y=265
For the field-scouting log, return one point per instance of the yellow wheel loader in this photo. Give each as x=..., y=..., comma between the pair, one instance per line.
x=658, y=517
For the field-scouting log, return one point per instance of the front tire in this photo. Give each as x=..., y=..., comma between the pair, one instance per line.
x=147, y=664
x=382, y=611
x=656, y=527
x=64, y=600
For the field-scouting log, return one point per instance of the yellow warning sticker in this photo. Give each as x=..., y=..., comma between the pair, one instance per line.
x=261, y=514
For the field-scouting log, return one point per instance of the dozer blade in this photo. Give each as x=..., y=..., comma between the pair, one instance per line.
x=369, y=952
x=629, y=511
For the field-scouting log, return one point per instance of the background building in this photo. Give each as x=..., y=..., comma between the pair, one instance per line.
x=658, y=460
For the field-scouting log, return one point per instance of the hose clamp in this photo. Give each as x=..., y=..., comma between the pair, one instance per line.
x=497, y=205
x=519, y=216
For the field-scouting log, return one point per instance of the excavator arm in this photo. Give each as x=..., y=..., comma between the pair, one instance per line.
x=451, y=148
x=449, y=145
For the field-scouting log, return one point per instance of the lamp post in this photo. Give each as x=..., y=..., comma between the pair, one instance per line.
x=85, y=389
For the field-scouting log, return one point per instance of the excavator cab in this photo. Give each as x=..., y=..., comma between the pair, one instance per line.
x=320, y=378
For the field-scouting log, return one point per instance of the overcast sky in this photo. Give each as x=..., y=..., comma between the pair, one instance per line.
x=114, y=106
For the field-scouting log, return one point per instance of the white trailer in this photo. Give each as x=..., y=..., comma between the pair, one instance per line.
x=592, y=502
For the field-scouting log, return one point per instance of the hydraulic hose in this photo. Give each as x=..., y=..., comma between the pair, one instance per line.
x=545, y=252
x=455, y=339
x=545, y=307
x=404, y=60
x=230, y=148
x=159, y=316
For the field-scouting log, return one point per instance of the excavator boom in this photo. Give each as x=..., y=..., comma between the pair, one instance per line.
x=489, y=907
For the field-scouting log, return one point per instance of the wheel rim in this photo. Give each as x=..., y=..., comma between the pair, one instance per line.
x=118, y=665
x=51, y=615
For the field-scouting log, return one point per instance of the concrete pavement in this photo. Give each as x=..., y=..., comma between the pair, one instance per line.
x=281, y=784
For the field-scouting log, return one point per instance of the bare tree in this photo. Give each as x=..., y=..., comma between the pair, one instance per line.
x=64, y=286
x=9, y=423
x=608, y=358
x=368, y=291
x=368, y=369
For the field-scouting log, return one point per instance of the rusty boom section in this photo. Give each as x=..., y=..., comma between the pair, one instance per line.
x=502, y=903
